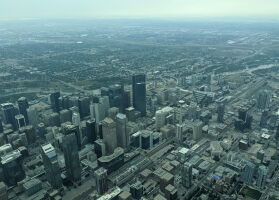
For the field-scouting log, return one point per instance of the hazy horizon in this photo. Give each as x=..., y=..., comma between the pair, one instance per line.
x=49, y=9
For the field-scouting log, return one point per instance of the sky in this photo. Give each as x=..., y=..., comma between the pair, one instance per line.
x=24, y=9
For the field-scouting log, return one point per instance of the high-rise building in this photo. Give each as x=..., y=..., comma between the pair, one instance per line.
x=121, y=130
x=242, y=114
x=193, y=111
x=146, y=140
x=41, y=130
x=220, y=113
x=22, y=107
x=70, y=128
x=20, y=121
x=197, y=129
x=136, y=190
x=100, y=130
x=73, y=102
x=127, y=99
x=54, y=101
x=30, y=134
x=101, y=178
x=112, y=112
x=109, y=135
x=170, y=192
x=83, y=104
x=186, y=174
x=9, y=113
x=263, y=99
x=104, y=101
x=91, y=132
x=139, y=93
x=76, y=118
x=1, y=126
x=11, y=165
x=179, y=131
x=65, y=102
x=264, y=118
x=51, y=165
x=116, y=96
x=3, y=191
x=72, y=162
x=248, y=173
x=161, y=115
x=262, y=176
x=277, y=132
x=104, y=91
x=130, y=113
x=33, y=116
x=65, y=116
x=100, y=148
x=99, y=109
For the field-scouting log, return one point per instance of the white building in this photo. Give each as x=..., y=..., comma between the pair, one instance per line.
x=160, y=116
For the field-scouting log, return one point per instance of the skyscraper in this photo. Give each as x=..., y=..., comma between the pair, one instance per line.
x=20, y=121
x=264, y=118
x=116, y=96
x=263, y=99
x=277, y=132
x=70, y=128
x=22, y=106
x=9, y=113
x=121, y=131
x=1, y=126
x=197, y=130
x=262, y=176
x=186, y=174
x=51, y=165
x=12, y=170
x=109, y=135
x=54, y=101
x=100, y=108
x=242, y=114
x=76, y=118
x=3, y=191
x=91, y=132
x=100, y=148
x=83, y=105
x=136, y=190
x=101, y=177
x=248, y=173
x=179, y=131
x=32, y=114
x=30, y=134
x=220, y=113
x=42, y=131
x=139, y=93
x=161, y=115
x=70, y=150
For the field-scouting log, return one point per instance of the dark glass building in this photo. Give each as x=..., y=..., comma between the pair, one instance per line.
x=139, y=93
x=91, y=131
x=116, y=96
x=1, y=127
x=9, y=113
x=22, y=106
x=54, y=100
x=70, y=150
